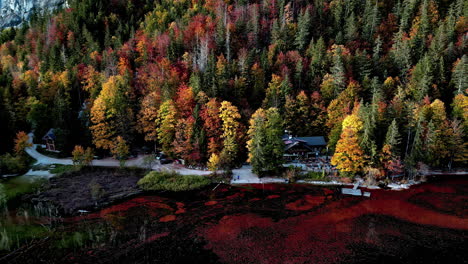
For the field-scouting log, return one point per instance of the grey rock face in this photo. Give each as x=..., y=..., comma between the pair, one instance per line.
x=15, y=12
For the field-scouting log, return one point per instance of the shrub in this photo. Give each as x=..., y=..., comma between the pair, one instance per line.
x=372, y=175
x=12, y=165
x=292, y=173
x=78, y=154
x=61, y=169
x=82, y=157
x=171, y=181
x=224, y=176
x=316, y=176
x=96, y=190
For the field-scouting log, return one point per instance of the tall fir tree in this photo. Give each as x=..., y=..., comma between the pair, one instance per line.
x=303, y=32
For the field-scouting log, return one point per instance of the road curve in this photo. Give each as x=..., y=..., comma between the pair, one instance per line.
x=109, y=162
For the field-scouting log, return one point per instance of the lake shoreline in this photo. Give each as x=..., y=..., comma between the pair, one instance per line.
x=94, y=188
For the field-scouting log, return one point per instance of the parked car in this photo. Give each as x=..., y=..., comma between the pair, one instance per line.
x=163, y=159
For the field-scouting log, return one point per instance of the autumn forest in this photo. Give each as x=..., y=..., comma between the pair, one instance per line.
x=216, y=83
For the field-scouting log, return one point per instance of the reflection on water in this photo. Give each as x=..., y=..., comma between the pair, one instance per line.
x=371, y=235
x=3, y=201
x=255, y=224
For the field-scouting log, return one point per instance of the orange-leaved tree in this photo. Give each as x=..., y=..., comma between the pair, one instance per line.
x=349, y=156
x=21, y=142
x=212, y=125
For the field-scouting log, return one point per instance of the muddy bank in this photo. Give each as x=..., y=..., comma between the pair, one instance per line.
x=89, y=189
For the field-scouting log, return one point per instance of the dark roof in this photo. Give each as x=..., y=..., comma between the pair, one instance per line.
x=311, y=141
x=298, y=143
x=314, y=141
x=49, y=135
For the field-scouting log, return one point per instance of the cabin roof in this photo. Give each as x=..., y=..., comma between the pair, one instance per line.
x=49, y=135
x=310, y=141
x=314, y=141
x=294, y=144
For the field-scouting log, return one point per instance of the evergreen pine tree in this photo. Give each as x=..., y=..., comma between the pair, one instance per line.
x=351, y=28
x=302, y=34
x=274, y=144
x=257, y=141
x=460, y=75
x=338, y=72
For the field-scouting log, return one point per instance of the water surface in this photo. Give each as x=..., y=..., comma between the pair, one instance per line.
x=257, y=224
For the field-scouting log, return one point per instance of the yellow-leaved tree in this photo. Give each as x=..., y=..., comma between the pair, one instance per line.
x=120, y=150
x=148, y=116
x=213, y=162
x=166, y=126
x=102, y=130
x=349, y=156
x=229, y=115
x=111, y=113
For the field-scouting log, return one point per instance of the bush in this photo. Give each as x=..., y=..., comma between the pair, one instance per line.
x=61, y=169
x=292, y=173
x=96, y=190
x=12, y=165
x=14, y=187
x=315, y=176
x=172, y=181
x=224, y=177
x=82, y=157
x=372, y=175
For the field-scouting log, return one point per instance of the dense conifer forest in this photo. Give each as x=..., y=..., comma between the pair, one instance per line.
x=217, y=82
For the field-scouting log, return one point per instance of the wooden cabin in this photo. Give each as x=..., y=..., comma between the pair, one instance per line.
x=302, y=148
x=49, y=140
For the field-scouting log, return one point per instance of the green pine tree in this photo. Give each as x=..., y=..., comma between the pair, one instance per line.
x=302, y=34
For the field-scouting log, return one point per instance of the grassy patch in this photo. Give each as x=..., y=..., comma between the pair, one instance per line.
x=88, y=236
x=10, y=164
x=12, y=235
x=315, y=176
x=171, y=181
x=16, y=186
x=60, y=169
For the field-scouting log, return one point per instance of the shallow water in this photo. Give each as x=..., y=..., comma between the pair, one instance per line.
x=258, y=224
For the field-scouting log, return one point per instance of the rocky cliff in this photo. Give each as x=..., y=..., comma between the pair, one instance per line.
x=14, y=12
